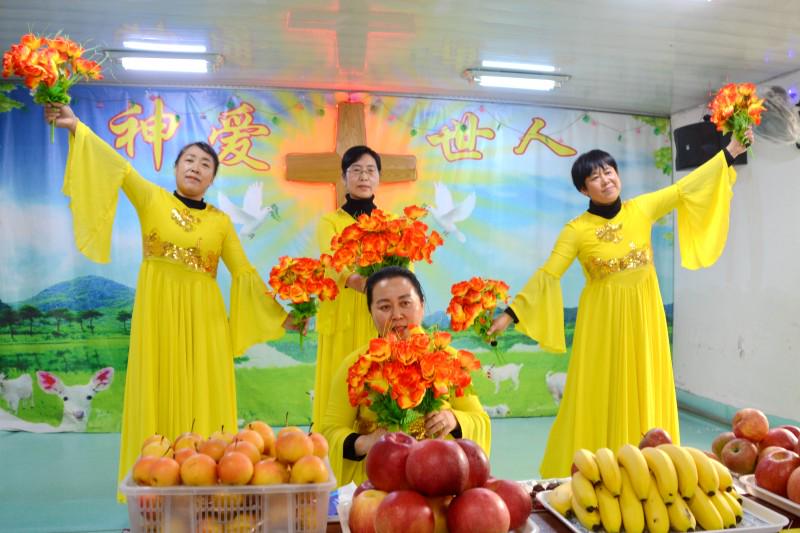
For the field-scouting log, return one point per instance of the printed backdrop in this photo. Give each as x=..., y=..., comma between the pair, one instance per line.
x=68, y=318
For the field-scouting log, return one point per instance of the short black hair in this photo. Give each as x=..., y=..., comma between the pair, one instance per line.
x=207, y=148
x=587, y=163
x=389, y=273
x=354, y=153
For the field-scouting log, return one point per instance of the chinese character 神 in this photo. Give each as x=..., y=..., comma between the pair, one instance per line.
x=460, y=141
x=534, y=133
x=235, y=137
x=126, y=127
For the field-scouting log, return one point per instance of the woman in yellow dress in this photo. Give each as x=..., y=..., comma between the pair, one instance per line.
x=180, y=363
x=344, y=324
x=619, y=381
x=396, y=304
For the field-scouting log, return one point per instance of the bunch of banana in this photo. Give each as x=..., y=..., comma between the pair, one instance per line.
x=660, y=489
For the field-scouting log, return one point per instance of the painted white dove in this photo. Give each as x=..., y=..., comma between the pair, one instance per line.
x=252, y=214
x=447, y=214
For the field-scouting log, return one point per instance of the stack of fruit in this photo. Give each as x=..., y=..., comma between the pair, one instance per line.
x=252, y=456
x=773, y=454
x=655, y=488
x=434, y=486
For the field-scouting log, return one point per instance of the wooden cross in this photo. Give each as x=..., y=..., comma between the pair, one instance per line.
x=326, y=167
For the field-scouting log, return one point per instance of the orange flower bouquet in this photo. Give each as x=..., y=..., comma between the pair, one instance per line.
x=473, y=305
x=402, y=380
x=300, y=280
x=375, y=241
x=49, y=67
x=735, y=108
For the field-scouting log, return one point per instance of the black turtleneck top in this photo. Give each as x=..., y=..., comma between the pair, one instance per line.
x=188, y=202
x=356, y=207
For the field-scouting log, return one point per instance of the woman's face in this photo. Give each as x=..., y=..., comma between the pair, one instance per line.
x=194, y=173
x=603, y=185
x=396, y=306
x=362, y=177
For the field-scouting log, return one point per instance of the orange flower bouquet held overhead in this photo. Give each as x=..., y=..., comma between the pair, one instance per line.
x=473, y=305
x=402, y=380
x=376, y=241
x=735, y=108
x=49, y=67
x=301, y=281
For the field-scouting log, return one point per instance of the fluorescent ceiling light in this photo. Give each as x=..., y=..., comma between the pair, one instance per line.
x=165, y=64
x=152, y=46
x=509, y=65
x=515, y=79
x=516, y=83
x=161, y=61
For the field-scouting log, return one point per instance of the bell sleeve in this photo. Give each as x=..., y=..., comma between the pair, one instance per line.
x=539, y=305
x=92, y=178
x=702, y=200
x=255, y=316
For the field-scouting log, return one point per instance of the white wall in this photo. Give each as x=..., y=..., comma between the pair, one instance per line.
x=737, y=324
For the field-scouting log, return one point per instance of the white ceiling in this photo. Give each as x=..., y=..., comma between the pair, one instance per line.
x=641, y=56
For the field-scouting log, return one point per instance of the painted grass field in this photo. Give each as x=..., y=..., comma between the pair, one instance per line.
x=268, y=386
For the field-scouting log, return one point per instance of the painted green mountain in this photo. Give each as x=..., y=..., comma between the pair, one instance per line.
x=80, y=294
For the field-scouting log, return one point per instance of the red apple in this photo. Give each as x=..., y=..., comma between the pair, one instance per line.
x=404, y=511
x=654, y=437
x=478, y=463
x=437, y=467
x=750, y=424
x=517, y=499
x=386, y=461
x=779, y=437
x=478, y=509
x=363, y=511
x=793, y=486
x=720, y=441
x=793, y=429
x=366, y=485
x=763, y=452
x=740, y=456
x=773, y=471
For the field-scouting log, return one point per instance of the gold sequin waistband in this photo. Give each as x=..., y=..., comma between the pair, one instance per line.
x=191, y=257
x=636, y=258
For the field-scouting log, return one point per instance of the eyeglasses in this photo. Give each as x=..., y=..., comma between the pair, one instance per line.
x=357, y=171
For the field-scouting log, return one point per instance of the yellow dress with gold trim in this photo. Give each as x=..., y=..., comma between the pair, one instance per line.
x=343, y=324
x=620, y=382
x=341, y=419
x=180, y=362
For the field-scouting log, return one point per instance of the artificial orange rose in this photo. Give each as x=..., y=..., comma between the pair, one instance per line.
x=414, y=212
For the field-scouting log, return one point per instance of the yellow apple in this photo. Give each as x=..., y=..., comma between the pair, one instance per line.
x=320, y=445
x=309, y=469
x=199, y=470
x=141, y=469
x=165, y=472
x=292, y=445
x=245, y=447
x=214, y=448
x=158, y=448
x=222, y=434
x=266, y=434
x=253, y=437
x=235, y=468
x=269, y=472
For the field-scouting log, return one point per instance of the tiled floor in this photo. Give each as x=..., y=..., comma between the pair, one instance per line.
x=67, y=482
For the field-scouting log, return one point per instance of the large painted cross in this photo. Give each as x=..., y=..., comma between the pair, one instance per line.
x=351, y=130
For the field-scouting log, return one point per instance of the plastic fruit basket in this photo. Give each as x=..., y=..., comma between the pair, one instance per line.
x=281, y=508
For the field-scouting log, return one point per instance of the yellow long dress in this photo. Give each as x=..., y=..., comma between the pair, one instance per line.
x=620, y=382
x=180, y=362
x=341, y=419
x=343, y=324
